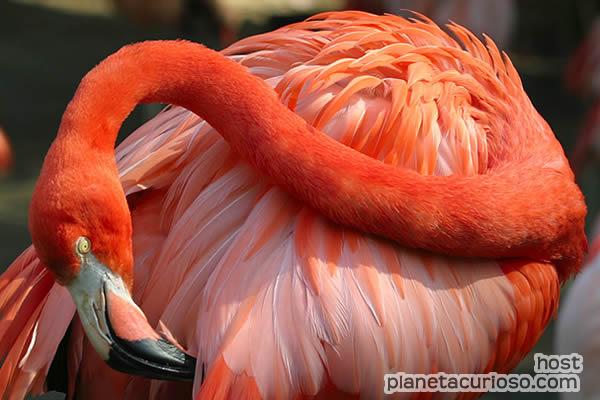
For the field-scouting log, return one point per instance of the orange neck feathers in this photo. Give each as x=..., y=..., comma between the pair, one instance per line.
x=519, y=209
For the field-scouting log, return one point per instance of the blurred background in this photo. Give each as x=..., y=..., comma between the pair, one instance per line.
x=46, y=46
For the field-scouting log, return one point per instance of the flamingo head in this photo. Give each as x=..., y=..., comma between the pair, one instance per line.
x=81, y=229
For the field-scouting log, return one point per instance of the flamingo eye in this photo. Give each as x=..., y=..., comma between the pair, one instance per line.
x=83, y=245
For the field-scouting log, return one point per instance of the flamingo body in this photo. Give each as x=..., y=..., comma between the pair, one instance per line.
x=274, y=299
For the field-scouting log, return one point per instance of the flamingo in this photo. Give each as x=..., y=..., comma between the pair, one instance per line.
x=340, y=198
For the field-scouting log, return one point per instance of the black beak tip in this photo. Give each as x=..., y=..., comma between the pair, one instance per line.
x=153, y=359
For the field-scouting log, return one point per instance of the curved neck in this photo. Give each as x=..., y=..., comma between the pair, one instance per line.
x=482, y=216
x=175, y=72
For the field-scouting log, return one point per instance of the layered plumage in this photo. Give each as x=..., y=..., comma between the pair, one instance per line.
x=274, y=299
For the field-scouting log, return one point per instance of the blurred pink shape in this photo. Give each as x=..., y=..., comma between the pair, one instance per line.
x=6, y=158
x=583, y=71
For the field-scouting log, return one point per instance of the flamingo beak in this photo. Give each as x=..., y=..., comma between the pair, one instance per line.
x=119, y=330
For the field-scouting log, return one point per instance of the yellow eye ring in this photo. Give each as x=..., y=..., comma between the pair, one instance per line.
x=83, y=245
